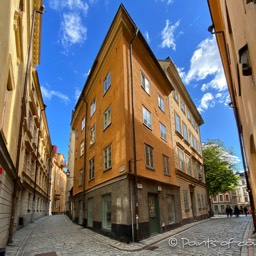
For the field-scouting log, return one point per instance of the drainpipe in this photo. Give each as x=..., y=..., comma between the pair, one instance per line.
x=36, y=168
x=49, y=182
x=238, y=122
x=134, y=149
x=84, y=171
x=23, y=111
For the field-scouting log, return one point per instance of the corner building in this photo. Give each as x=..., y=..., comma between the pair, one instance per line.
x=234, y=27
x=125, y=184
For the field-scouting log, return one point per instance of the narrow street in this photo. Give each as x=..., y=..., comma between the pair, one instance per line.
x=57, y=235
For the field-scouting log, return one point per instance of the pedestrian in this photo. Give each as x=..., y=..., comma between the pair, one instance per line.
x=245, y=210
x=228, y=211
x=236, y=211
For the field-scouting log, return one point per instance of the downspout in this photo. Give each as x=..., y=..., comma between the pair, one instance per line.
x=238, y=122
x=134, y=150
x=84, y=171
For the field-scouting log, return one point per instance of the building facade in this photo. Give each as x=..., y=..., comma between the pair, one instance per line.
x=239, y=197
x=185, y=122
x=234, y=27
x=125, y=184
x=25, y=145
x=58, y=185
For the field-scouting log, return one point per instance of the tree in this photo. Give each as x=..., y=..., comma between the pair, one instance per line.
x=219, y=166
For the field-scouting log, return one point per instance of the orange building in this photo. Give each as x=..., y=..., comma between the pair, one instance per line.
x=125, y=184
x=234, y=27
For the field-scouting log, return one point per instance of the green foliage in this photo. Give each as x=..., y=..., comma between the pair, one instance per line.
x=219, y=167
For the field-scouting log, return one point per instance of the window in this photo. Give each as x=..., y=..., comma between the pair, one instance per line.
x=161, y=103
x=107, y=117
x=107, y=156
x=106, y=211
x=191, y=138
x=171, y=209
x=182, y=106
x=188, y=165
x=185, y=132
x=92, y=134
x=186, y=205
x=145, y=83
x=107, y=82
x=177, y=123
x=244, y=59
x=227, y=198
x=215, y=199
x=149, y=151
x=146, y=117
x=163, y=131
x=93, y=107
x=221, y=198
x=181, y=159
x=83, y=124
x=199, y=201
x=91, y=168
x=246, y=199
x=81, y=175
x=82, y=148
x=243, y=182
x=189, y=115
x=166, y=165
x=176, y=96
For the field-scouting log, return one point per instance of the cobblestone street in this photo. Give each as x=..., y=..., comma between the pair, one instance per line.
x=58, y=235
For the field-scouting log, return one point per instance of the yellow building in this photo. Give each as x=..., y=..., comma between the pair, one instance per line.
x=185, y=122
x=25, y=145
x=234, y=27
x=58, y=185
x=125, y=184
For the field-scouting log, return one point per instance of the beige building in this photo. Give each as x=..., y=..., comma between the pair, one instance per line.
x=234, y=27
x=185, y=122
x=25, y=145
x=58, y=185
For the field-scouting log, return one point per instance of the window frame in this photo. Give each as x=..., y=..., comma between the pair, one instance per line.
x=149, y=157
x=166, y=165
x=163, y=133
x=107, y=82
x=148, y=123
x=107, y=158
x=161, y=104
x=93, y=107
x=92, y=168
x=144, y=79
x=107, y=118
x=93, y=134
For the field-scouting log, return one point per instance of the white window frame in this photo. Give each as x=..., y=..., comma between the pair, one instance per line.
x=107, y=82
x=145, y=83
x=182, y=106
x=181, y=159
x=161, y=103
x=91, y=168
x=107, y=157
x=177, y=123
x=163, y=132
x=93, y=107
x=147, y=120
x=82, y=148
x=149, y=157
x=166, y=165
x=107, y=117
x=81, y=175
x=83, y=123
x=185, y=131
x=93, y=134
x=106, y=211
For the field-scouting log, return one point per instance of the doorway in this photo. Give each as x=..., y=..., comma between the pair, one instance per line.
x=153, y=209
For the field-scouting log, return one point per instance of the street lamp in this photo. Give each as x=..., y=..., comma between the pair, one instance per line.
x=36, y=168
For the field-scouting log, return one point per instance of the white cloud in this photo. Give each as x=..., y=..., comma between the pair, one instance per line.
x=72, y=30
x=205, y=61
x=167, y=1
x=87, y=73
x=72, y=5
x=206, y=101
x=168, y=35
x=77, y=93
x=48, y=94
x=147, y=36
x=181, y=72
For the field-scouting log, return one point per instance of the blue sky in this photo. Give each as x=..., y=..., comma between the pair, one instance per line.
x=73, y=31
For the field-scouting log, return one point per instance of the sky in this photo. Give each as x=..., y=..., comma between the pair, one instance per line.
x=73, y=31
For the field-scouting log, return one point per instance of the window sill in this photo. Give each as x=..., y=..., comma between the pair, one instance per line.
x=91, y=179
x=147, y=127
x=105, y=128
x=167, y=174
x=150, y=168
x=105, y=170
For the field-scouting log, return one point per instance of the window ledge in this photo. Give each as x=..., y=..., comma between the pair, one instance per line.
x=150, y=168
